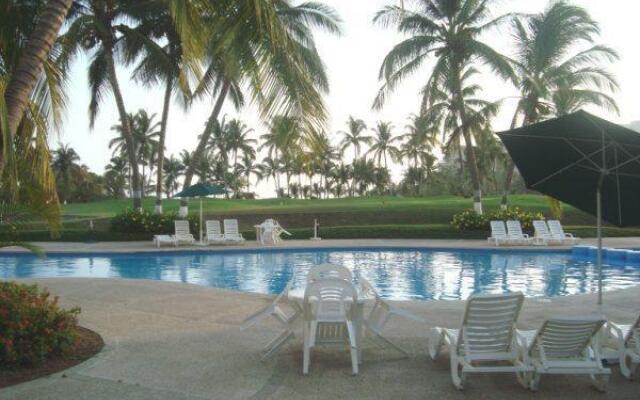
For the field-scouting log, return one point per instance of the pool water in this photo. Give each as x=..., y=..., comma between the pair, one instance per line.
x=398, y=274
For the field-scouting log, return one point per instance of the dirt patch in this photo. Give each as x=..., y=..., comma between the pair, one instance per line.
x=87, y=344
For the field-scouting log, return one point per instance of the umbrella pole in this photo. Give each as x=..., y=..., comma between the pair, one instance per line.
x=599, y=232
x=200, y=226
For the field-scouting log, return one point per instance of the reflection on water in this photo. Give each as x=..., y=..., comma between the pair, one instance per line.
x=397, y=274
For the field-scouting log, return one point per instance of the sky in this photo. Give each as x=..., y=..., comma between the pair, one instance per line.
x=352, y=61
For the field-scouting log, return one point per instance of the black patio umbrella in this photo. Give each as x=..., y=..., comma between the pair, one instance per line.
x=585, y=161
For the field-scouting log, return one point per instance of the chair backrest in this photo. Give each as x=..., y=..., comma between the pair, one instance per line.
x=231, y=227
x=633, y=337
x=541, y=229
x=514, y=229
x=213, y=228
x=324, y=271
x=330, y=298
x=498, y=229
x=182, y=227
x=556, y=228
x=489, y=323
x=565, y=337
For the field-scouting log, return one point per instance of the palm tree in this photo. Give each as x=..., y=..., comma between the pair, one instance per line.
x=447, y=32
x=65, y=159
x=268, y=48
x=559, y=66
x=173, y=170
x=239, y=140
x=270, y=168
x=99, y=28
x=248, y=167
x=29, y=66
x=354, y=137
x=281, y=141
x=145, y=133
x=383, y=143
x=421, y=137
x=117, y=175
x=167, y=60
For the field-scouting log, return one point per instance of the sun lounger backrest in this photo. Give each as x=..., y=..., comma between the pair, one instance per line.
x=231, y=227
x=325, y=271
x=556, y=228
x=566, y=338
x=182, y=227
x=498, y=229
x=489, y=323
x=541, y=229
x=633, y=337
x=213, y=228
x=514, y=228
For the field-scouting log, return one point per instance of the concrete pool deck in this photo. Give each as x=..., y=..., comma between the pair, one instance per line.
x=116, y=247
x=178, y=341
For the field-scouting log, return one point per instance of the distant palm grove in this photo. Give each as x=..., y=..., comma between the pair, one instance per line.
x=263, y=52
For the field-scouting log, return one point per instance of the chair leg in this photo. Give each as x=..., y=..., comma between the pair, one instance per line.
x=434, y=342
x=457, y=376
x=534, y=384
x=600, y=381
x=390, y=343
x=353, y=348
x=306, y=351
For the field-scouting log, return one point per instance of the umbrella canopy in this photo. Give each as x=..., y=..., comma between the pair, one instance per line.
x=585, y=161
x=571, y=157
x=201, y=190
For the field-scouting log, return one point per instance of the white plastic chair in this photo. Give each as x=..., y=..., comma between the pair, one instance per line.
x=182, y=234
x=324, y=271
x=567, y=346
x=231, y=231
x=515, y=234
x=271, y=232
x=381, y=313
x=487, y=337
x=277, y=309
x=214, y=232
x=622, y=342
x=558, y=233
x=329, y=313
x=498, y=233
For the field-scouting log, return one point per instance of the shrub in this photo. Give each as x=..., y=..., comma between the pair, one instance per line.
x=146, y=222
x=468, y=220
x=32, y=326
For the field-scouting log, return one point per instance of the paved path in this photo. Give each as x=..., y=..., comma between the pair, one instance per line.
x=177, y=341
x=628, y=242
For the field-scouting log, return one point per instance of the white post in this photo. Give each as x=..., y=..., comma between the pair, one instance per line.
x=200, y=226
x=599, y=232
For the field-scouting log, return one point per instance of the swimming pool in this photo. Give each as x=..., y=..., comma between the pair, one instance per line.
x=399, y=273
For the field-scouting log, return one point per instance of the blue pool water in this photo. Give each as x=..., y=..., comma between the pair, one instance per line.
x=399, y=274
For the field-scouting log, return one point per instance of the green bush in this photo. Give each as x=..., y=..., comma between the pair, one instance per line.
x=468, y=220
x=147, y=222
x=32, y=326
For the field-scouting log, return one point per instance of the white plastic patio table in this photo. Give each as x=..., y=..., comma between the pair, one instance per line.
x=297, y=295
x=258, y=233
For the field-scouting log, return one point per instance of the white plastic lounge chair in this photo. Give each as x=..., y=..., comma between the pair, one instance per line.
x=380, y=314
x=622, y=342
x=515, y=234
x=329, y=311
x=566, y=346
x=158, y=240
x=558, y=234
x=271, y=232
x=323, y=271
x=278, y=310
x=498, y=233
x=486, y=341
x=231, y=231
x=542, y=235
x=182, y=234
x=214, y=233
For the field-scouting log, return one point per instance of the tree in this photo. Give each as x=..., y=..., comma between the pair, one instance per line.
x=282, y=139
x=560, y=67
x=267, y=48
x=29, y=66
x=420, y=138
x=173, y=170
x=354, y=137
x=145, y=134
x=99, y=28
x=447, y=32
x=65, y=160
x=383, y=143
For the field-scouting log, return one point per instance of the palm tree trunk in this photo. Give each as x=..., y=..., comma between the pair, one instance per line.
x=511, y=167
x=163, y=133
x=24, y=78
x=126, y=129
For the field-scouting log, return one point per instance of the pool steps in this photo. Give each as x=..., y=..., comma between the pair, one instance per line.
x=609, y=254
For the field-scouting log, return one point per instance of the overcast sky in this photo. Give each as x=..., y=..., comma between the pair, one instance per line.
x=352, y=61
